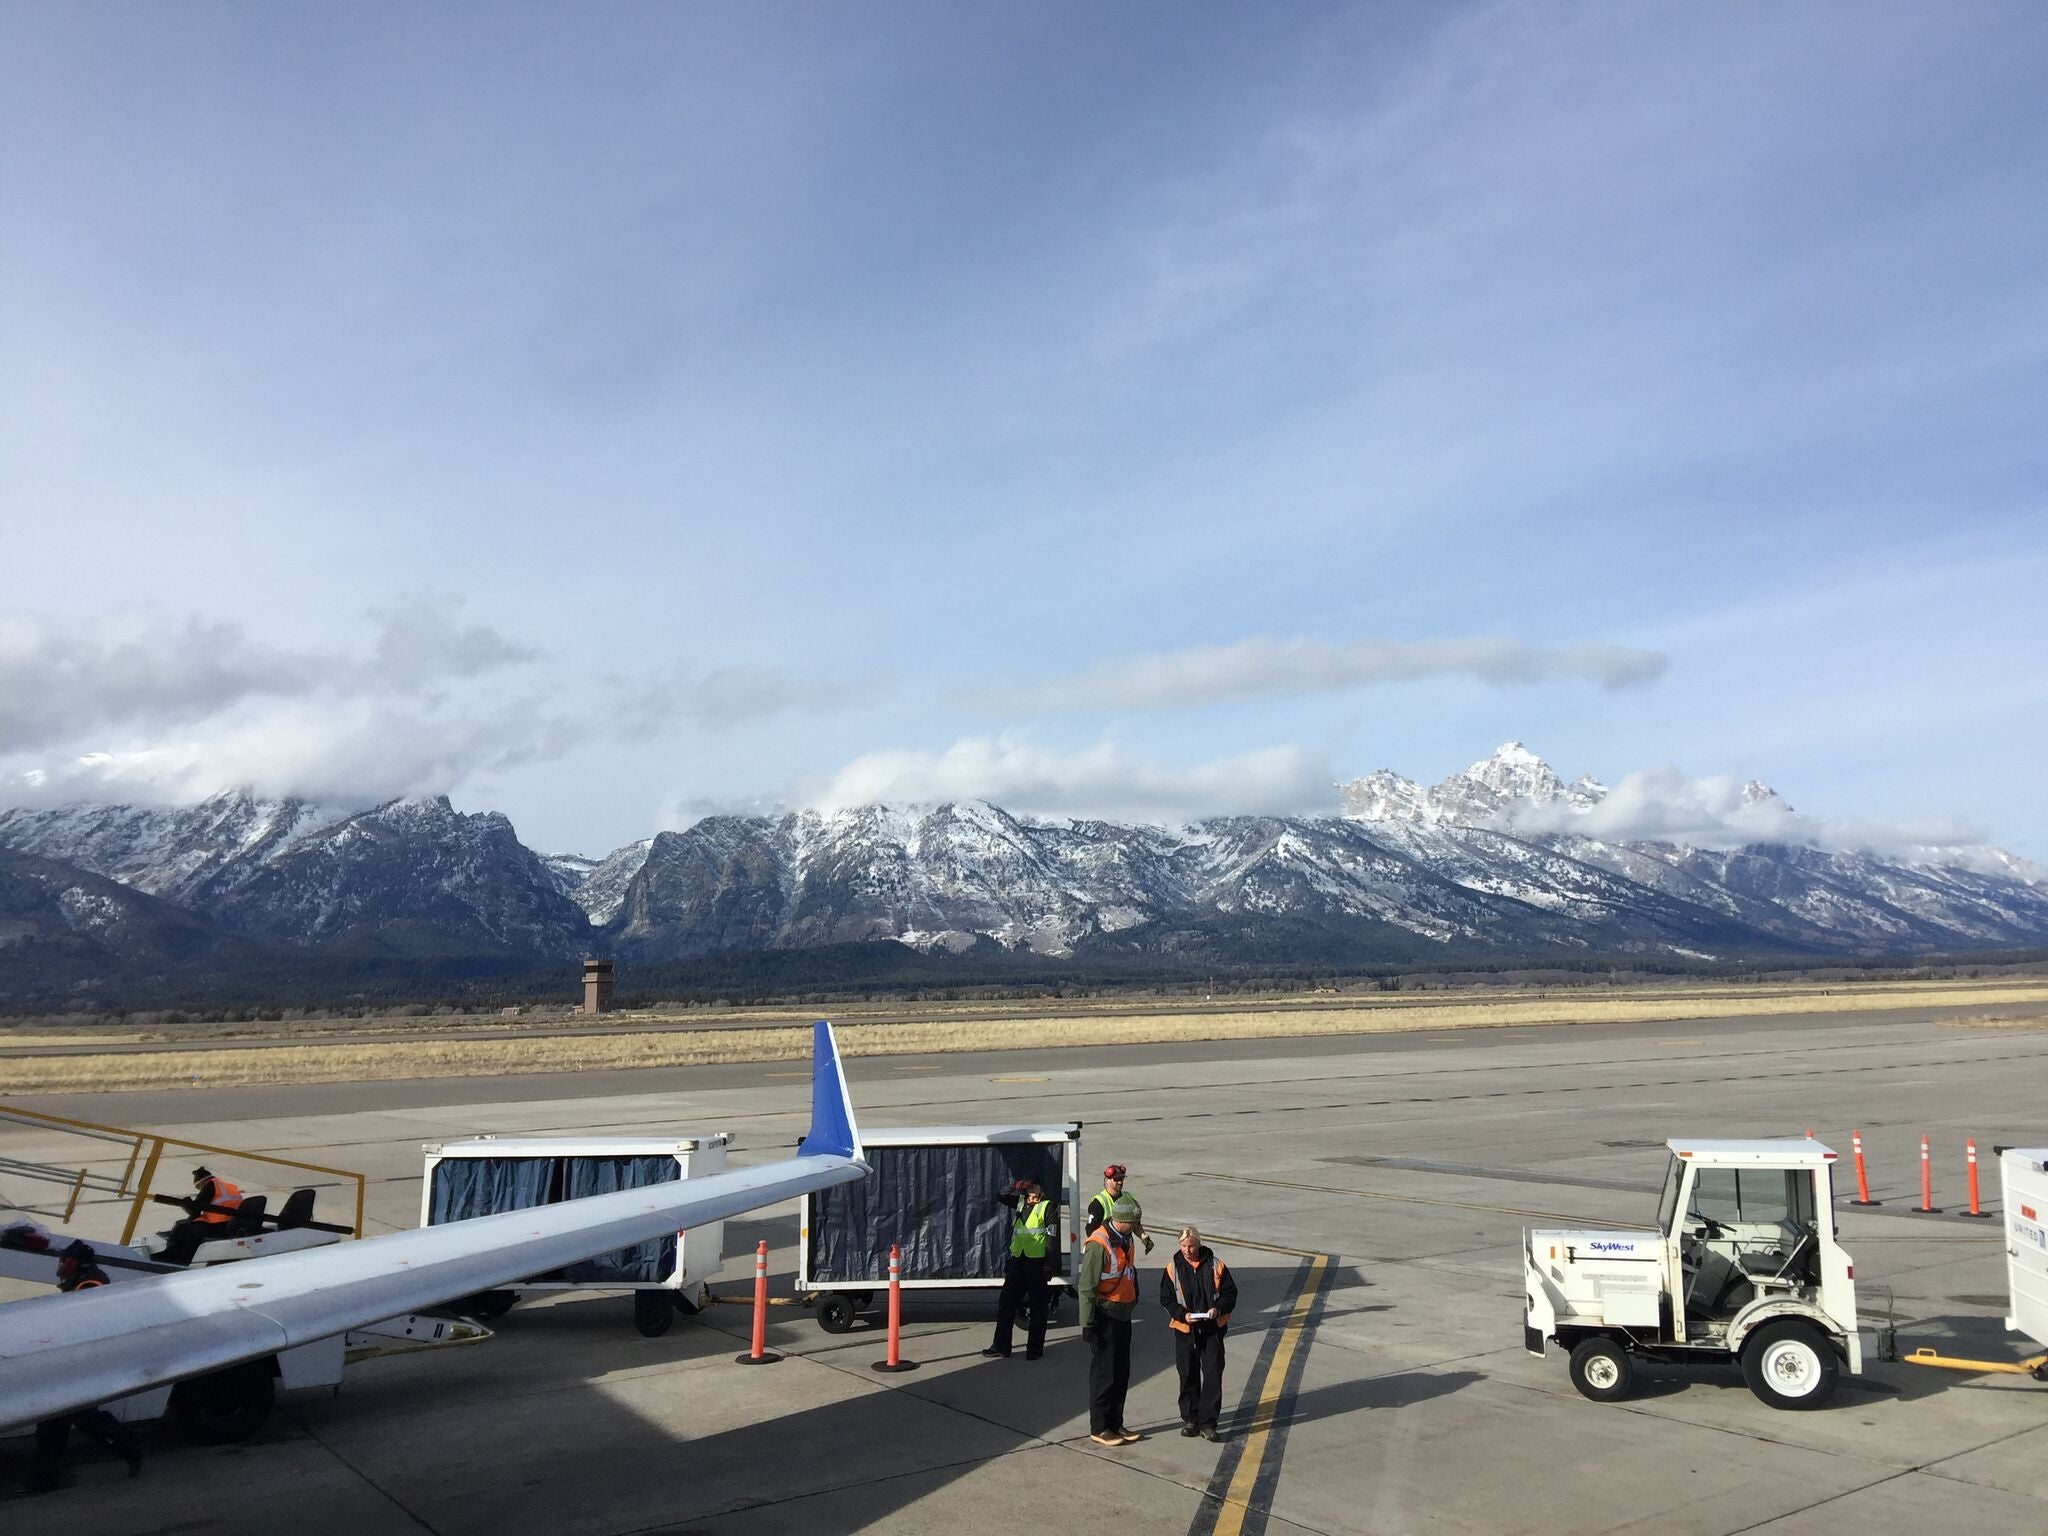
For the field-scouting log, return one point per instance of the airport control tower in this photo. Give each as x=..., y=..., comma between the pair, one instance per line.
x=597, y=986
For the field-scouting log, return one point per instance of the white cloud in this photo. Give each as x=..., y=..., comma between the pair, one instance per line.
x=419, y=643
x=1265, y=668
x=722, y=697
x=1105, y=780
x=1662, y=805
x=62, y=682
x=169, y=712
x=352, y=751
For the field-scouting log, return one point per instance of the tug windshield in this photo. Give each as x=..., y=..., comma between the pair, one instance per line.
x=1667, y=1203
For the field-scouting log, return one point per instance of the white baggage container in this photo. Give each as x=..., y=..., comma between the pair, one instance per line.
x=487, y=1174
x=2024, y=1173
x=931, y=1192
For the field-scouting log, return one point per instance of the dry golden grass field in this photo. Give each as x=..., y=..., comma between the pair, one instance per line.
x=54, y=1062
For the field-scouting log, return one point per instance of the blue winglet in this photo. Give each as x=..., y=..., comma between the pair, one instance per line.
x=832, y=1132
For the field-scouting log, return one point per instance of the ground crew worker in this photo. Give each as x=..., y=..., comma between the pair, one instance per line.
x=78, y=1270
x=212, y=1206
x=1033, y=1225
x=1098, y=1208
x=1108, y=1292
x=1199, y=1295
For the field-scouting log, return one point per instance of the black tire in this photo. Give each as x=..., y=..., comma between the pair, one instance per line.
x=1790, y=1364
x=653, y=1313
x=1602, y=1370
x=861, y=1300
x=486, y=1306
x=226, y=1406
x=837, y=1312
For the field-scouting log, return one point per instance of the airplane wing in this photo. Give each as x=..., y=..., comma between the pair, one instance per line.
x=65, y=1353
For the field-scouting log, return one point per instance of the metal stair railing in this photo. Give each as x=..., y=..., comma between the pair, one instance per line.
x=146, y=1148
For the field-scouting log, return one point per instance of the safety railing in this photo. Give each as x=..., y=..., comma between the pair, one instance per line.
x=145, y=1148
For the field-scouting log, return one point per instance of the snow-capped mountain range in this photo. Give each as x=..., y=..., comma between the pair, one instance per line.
x=1496, y=860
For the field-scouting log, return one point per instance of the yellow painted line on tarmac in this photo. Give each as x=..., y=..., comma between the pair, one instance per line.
x=1020, y=1079
x=1237, y=1499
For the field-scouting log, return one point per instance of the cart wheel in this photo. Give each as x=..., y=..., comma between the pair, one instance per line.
x=226, y=1406
x=862, y=1300
x=653, y=1312
x=837, y=1312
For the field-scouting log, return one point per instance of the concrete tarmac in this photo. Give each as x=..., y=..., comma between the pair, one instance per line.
x=1369, y=1192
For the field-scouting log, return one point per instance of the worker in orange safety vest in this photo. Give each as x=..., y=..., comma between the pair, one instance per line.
x=212, y=1206
x=78, y=1270
x=1199, y=1295
x=1108, y=1292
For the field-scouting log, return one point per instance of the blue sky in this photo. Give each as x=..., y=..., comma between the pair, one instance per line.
x=609, y=413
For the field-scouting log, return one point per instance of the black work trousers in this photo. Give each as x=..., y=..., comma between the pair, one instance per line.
x=1023, y=1286
x=1198, y=1356
x=1109, y=1373
x=98, y=1424
x=185, y=1238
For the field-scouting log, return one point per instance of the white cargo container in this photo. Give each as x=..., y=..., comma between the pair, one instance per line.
x=487, y=1174
x=2024, y=1173
x=931, y=1192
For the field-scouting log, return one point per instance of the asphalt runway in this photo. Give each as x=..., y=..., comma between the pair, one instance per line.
x=1370, y=1193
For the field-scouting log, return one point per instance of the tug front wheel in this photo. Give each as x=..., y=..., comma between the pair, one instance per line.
x=1789, y=1365
x=1602, y=1370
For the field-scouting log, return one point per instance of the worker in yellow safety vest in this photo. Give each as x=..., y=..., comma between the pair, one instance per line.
x=1098, y=1207
x=1108, y=1293
x=1199, y=1295
x=1034, y=1226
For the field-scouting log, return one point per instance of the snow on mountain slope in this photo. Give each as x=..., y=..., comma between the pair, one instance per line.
x=185, y=855
x=1405, y=872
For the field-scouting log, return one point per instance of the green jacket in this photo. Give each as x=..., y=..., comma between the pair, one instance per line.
x=1091, y=1276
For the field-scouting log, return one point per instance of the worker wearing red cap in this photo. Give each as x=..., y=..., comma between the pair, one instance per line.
x=1112, y=1190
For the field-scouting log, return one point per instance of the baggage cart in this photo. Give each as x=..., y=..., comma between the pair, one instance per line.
x=932, y=1193
x=487, y=1174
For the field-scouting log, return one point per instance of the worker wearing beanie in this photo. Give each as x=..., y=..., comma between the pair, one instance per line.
x=1108, y=1293
x=78, y=1269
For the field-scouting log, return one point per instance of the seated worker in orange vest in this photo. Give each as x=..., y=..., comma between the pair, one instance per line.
x=212, y=1206
x=1199, y=1295
x=78, y=1270
x=1108, y=1293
